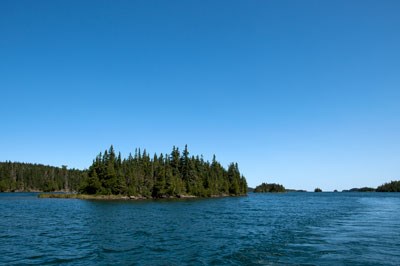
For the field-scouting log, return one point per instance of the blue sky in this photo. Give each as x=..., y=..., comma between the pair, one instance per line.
x=302, y=93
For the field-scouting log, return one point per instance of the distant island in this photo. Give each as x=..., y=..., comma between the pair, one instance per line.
x=269, y=188
x=295, y=190
x=393, y=186
x=272, y=188
x=174, y=175
x=363, y=189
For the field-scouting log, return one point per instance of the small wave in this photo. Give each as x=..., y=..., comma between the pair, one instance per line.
x=142, y=233
x=6, y=236
x=58, y=261
x=36, y=257
x=158, y=249
x=110, y=250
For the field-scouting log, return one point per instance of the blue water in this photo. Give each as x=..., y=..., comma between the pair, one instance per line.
x=261, y=229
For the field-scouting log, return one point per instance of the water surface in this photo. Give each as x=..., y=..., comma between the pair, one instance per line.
x=261, y=229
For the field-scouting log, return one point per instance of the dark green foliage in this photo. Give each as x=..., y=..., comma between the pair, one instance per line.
x=162, y=176
x=91, y=184
x=366, y=189
x=363, y=189
x=393, y=186
x=317, y=190
x=264, y=187
x=37, y=177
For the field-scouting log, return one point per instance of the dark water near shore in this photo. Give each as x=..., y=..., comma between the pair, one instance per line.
x=261, y=229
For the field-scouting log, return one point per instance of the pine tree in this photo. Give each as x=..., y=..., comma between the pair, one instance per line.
x=162, y=176
x=92, y=184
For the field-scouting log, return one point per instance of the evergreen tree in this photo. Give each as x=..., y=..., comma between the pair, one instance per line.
x=16, y=176
x=92, y=184
x=393, y=186
x=161, y=176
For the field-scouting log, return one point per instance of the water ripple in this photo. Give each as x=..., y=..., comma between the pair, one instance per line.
x=270, y=229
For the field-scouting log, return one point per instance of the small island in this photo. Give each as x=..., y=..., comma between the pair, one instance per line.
x=269, y=188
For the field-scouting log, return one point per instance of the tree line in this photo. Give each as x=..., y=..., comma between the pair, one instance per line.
x=393, y=186
x=16, y=176
x=165, y=175
x=162, y=176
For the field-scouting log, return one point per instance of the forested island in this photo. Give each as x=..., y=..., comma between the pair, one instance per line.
x=163, y=176
x=269, y=188
x=393, y=186
x=171, y=175
x=273, y=188
x=363, y=189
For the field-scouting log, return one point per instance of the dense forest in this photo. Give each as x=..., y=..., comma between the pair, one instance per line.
x=393, y=186
x=170, y=175
x=37, y=177
x=264, y=187
x=161, y=176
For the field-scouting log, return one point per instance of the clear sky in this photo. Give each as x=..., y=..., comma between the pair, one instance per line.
x=302, y=93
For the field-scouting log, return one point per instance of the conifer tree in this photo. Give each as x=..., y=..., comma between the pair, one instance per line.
x=162, y=176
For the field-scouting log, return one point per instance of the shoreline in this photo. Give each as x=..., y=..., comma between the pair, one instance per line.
x=123, y=197
x=37, y=191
